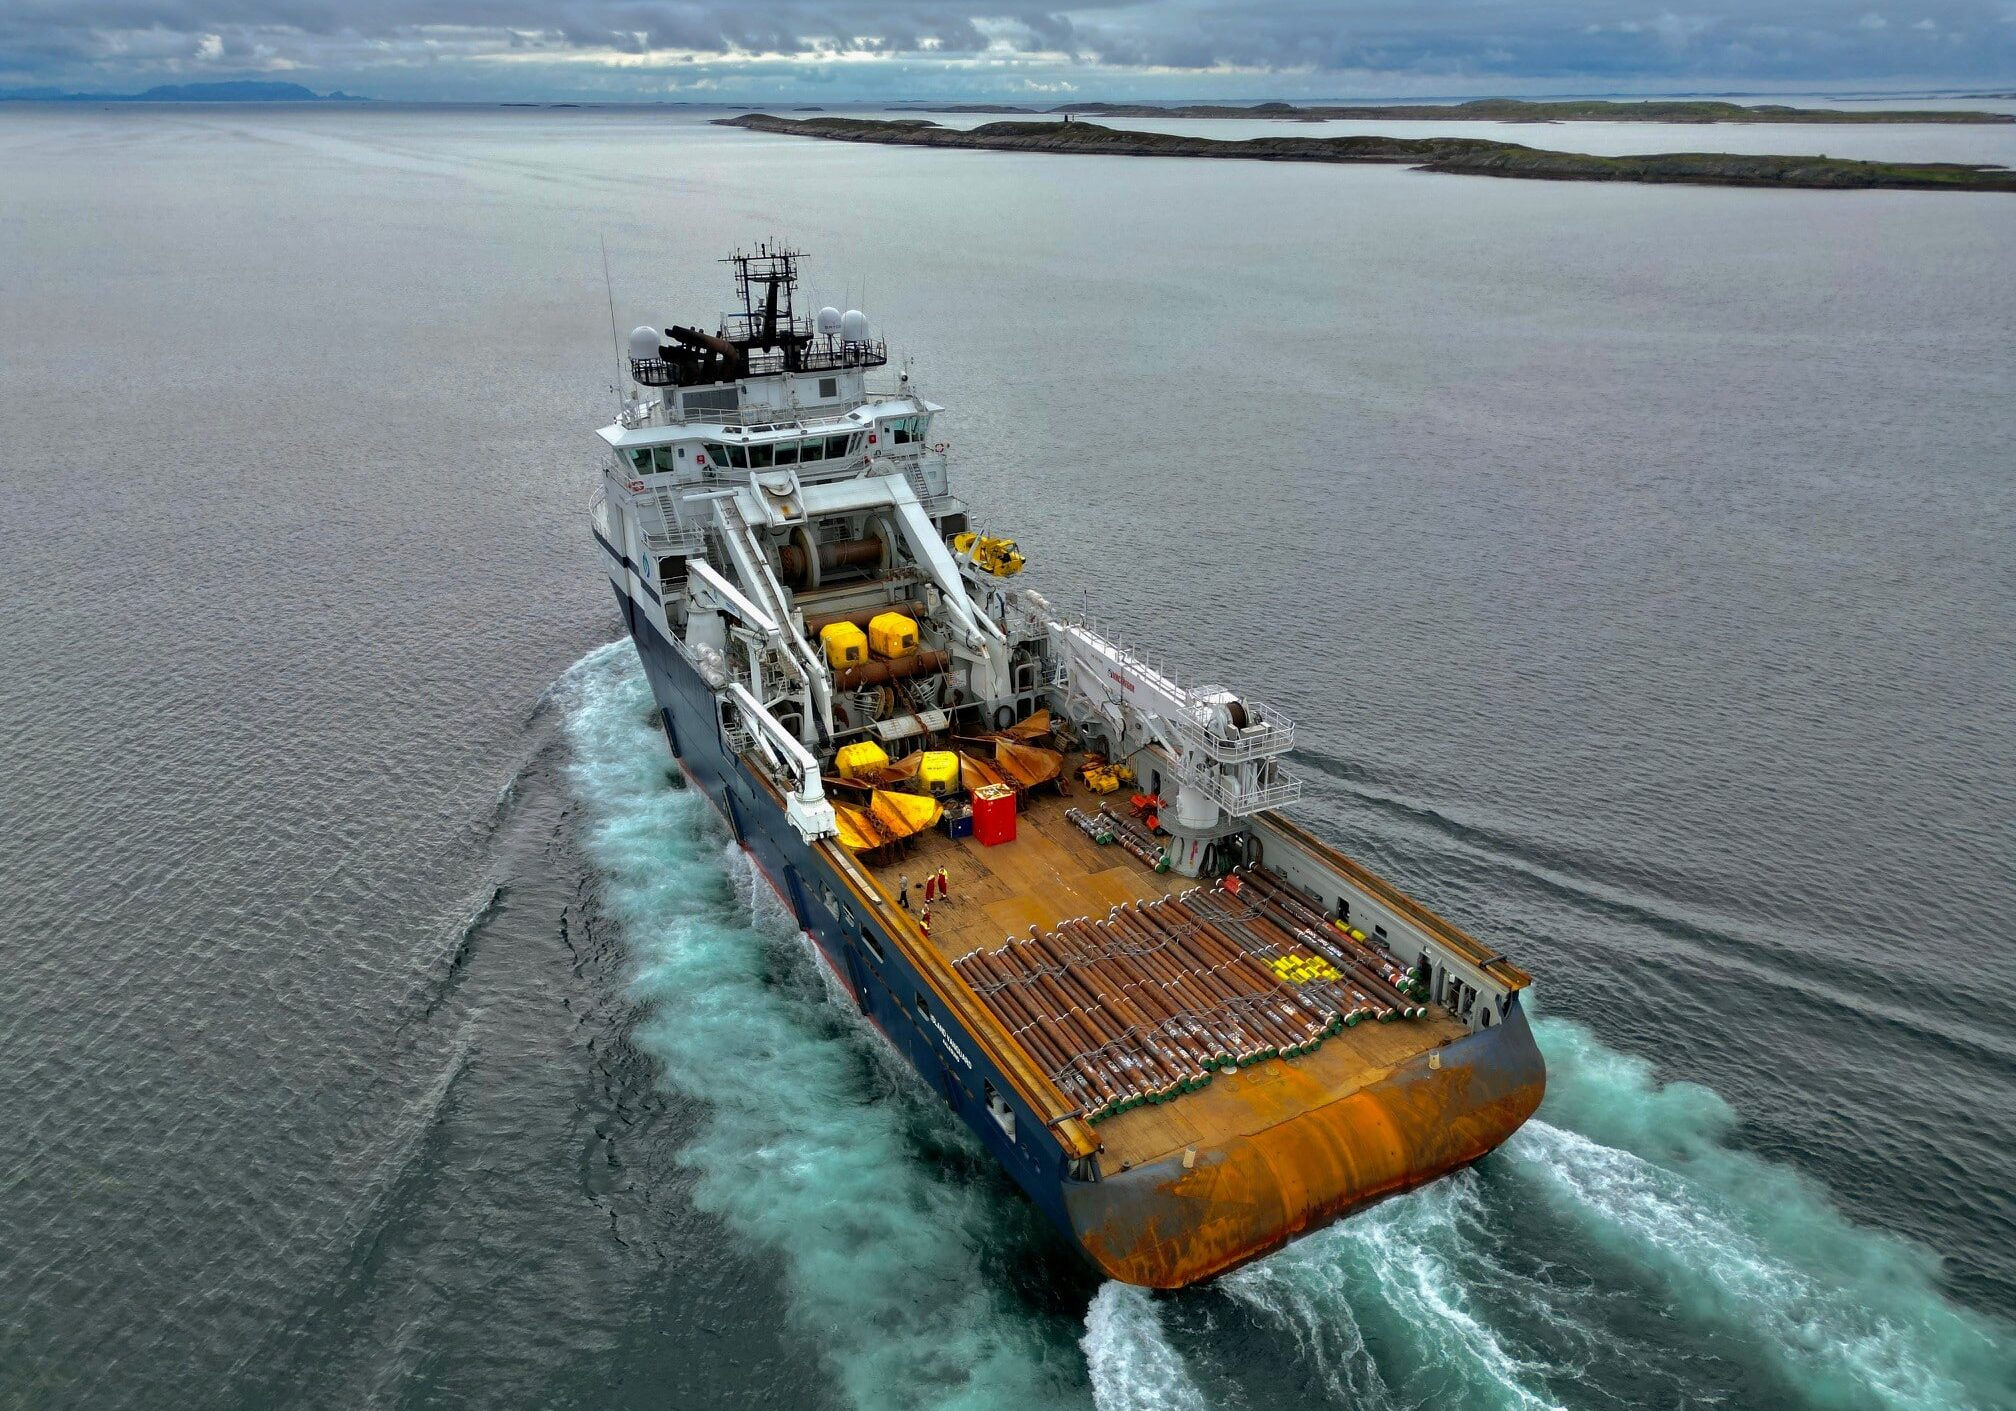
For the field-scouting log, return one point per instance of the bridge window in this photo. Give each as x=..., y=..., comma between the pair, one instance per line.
x=829, y=388
x=759, y=456
x=836, y=447
x=787, y=452
x=812, y=450
x=907, y=430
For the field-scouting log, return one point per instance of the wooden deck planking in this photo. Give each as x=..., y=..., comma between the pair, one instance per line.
x=1050, y=873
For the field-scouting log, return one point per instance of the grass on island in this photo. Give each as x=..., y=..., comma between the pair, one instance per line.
x=1471, y=156
x=1661, y=110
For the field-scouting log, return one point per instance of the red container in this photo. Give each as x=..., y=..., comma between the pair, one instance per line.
x=994, y=814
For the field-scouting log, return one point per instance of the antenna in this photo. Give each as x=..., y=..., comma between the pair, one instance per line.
x=616, y=388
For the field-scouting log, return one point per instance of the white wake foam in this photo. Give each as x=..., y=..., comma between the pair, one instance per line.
x=1386, y=1306
x=1133, y=1364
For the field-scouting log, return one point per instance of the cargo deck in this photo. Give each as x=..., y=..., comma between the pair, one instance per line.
x=1052, y=876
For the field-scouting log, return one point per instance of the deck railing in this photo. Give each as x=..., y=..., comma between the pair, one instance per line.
x=1272, y=732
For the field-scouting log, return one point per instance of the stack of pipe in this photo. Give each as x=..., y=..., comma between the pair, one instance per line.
x=1095, y=826
x=1132, y=834
x=1148, y=1002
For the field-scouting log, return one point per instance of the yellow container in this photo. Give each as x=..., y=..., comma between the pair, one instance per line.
x=892, y=635
x=938, y=772
x=846, y=644
x=861, y=757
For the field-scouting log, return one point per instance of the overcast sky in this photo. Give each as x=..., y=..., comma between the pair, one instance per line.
x=840, y=50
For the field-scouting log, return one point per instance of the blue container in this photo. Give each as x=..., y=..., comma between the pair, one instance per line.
x=959, y=825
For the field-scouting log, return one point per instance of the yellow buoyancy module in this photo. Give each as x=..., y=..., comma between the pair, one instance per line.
x=999, y=557
x=846, y=644
x=892, y=635
x=938, y=772
x=861, y=757
x=889, y=818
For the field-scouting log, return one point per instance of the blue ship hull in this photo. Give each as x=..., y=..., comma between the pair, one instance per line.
x=873, y=971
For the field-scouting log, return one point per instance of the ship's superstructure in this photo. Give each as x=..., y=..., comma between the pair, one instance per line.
x=1188, y=1028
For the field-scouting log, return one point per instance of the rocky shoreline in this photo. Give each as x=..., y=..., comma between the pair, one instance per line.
x=1458, y=155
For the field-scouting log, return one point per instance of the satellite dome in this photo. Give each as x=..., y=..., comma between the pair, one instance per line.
x=645, y=342
x=854, y=326
x=829, y=320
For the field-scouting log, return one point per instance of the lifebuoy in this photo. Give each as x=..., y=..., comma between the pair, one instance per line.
x=636, y=487
x=942, y=447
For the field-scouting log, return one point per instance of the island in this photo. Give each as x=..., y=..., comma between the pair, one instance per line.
x=1663, y=110
x=237, y=90
x=1470, y=156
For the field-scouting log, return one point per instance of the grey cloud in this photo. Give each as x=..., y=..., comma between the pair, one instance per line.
x=1598, y=39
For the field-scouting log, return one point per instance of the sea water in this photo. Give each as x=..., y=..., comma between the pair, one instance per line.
x=388, y=1025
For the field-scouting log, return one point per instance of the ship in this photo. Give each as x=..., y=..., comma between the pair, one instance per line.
x=1064, y=883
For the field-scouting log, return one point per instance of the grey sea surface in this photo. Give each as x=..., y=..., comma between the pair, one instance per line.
x=384, y=1026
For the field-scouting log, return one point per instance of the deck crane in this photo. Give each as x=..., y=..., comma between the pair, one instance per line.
x=1223, y=749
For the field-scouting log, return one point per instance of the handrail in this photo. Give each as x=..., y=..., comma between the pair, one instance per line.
x=740, y=418
x=1240, y=803
x=1273, y=734
x=752, y=413
x=871, y=352
x=688, y=540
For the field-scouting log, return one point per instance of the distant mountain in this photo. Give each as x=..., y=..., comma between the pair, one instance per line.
x=237, y=90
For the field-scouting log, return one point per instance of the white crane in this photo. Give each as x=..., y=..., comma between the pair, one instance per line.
x=1224, y=750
